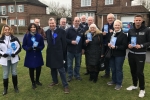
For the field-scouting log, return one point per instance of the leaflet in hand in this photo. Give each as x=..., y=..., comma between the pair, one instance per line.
x=133, y=41
x=35, y=44
x=106, y=28
x=89, y=36
x=9, y=51
x=78, y=39
x=113, y=41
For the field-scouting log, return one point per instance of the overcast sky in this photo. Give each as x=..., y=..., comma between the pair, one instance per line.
x=63, y=2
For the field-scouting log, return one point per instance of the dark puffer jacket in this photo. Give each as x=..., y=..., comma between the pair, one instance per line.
x=94, y=49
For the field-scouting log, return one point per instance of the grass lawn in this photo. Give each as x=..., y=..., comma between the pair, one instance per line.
x=79, y=90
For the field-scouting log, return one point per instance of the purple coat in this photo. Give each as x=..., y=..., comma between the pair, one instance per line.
x=33, y=58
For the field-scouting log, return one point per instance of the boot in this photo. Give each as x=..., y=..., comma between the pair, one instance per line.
x=90, y=79
x=15, y=83
x=95, y=77
x=5, y=83
x=34, y=85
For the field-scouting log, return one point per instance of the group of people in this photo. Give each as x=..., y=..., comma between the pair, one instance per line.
x=67, y=44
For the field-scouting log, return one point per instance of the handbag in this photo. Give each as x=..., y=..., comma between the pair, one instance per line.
x=101, y=64
x=108, y=54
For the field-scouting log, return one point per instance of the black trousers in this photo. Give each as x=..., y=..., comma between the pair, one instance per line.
x=137, y=62
x=106, y=62
x=31, y=73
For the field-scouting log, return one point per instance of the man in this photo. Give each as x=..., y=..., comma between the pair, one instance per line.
x=83, y=22
x=74, y=49
x=90, y=21
x=55, y=55
x=137, y=52
x=40, y=30
x=110, y=20
x=64, y=26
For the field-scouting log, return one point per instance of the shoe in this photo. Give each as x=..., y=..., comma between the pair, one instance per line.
x=53, y=84
x=5, y=83
x=106, y=76
x=118, y=87
x=132, y=88
x=111, y=83
x=78, y=78
x=16, y=89
x=86, y=73
x=38, y=83
x=69, y=79
x=33, y=86
x=142, y=93
x=66, y=90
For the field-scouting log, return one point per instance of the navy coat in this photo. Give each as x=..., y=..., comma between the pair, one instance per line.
x=55, y=53
x=33, y=58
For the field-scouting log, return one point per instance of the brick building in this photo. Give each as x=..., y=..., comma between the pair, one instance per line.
x=27, y=10
x=99, y=9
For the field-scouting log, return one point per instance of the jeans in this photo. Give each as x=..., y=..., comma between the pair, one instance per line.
x=62, y=75
x=116, y=65
x=106, y=62
x=6, y=69
x=70, y=58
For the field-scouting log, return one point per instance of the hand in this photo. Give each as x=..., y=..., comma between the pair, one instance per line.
x=87, y=41
x=74, y=42
x=36, y=48
x=111, y=31
x=104, y=33
x=30, y=48
x=102, y=55
x=130, y=46
x=64, y=61
x=83, y=51
x=109, y=45
x=138, y=46
x=113, y=47
x=5, y=55
x=13, y=55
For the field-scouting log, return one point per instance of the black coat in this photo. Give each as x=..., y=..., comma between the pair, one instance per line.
x=71, y=35
x=121, y=44
x=55, y=53
x=94, y=49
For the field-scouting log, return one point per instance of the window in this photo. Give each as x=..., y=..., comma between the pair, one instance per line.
x=31, y=20
x=21, y=22
x=3, y=10
x=87, y=14
x=108, y=2
x=12, y=22
x=85, y=3
x=11, y=8
x=20, y=8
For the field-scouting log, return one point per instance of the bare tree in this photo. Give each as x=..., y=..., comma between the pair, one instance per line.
x=145, y=3
x=59, y=10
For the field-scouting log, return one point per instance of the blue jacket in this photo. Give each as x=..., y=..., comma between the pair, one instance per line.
x=33, y=58
x=71, y=35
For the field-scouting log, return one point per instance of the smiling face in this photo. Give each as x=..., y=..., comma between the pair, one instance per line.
x=90, y=21
x=33, y=29
x=117, y=26
x=76, y=22
x=63, y=23
x=52, y=24
x=110, y=18
x=7, y=31
x=138, y=21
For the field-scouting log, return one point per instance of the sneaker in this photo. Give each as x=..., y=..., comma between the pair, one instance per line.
x=142, y=93
x=38, y=83
x=111, y=83
x=118, y=87
x=106, y=76
x=132, y=88
x=69, y=79
x=52, y=84
x=33, y=86
x=66, y=90
x=78, y=78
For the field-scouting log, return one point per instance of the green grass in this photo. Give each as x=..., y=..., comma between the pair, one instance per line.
x=79, y=90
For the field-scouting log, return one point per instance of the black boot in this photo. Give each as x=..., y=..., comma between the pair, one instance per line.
x=15, y=83
x=95, y=77
x=5, y=83
x=34, y=85
x=90, y=79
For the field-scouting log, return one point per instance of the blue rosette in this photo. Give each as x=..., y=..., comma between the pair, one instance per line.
x=33, y=39
x=54, y=37
x=13, y=46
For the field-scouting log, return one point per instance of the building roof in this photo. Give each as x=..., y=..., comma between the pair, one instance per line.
x=33, y=2
x=124, y=10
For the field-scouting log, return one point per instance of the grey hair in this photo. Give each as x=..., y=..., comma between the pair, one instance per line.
x=117, y=20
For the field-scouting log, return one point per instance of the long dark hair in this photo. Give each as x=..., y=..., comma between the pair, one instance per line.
x=30, y=25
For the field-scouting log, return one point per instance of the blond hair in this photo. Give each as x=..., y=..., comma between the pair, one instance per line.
x=120, y=22
x=93, y=25
x=2, y=31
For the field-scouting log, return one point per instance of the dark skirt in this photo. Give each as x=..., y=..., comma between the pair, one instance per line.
x=92, y=68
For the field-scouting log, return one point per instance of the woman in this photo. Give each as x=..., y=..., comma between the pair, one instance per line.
x=9, y=49
x=93, y=51
x=118, y=51
x=33, y=44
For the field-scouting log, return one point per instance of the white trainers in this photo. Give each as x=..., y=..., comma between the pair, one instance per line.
x=142, y=93
x=132, y=88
